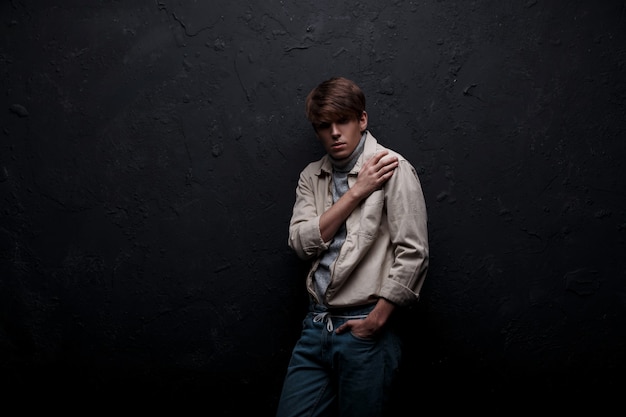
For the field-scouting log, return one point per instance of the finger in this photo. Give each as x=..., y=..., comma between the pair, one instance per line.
x=343, y=328
x=391, y=160
x=376, y=158
x=388, y=168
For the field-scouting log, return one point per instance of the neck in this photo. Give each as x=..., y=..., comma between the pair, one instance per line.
x=346, y=164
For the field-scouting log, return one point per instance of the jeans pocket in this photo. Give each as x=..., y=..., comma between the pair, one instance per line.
x=363, y=339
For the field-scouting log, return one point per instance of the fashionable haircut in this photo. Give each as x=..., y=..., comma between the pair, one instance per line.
x=334, y=99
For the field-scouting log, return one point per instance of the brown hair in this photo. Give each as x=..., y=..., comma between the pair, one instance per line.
x=334, y=99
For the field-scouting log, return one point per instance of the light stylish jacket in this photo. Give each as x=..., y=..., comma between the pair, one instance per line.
x=385, y=253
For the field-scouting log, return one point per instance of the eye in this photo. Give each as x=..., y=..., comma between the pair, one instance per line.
x=343, y=121
x=322, y=126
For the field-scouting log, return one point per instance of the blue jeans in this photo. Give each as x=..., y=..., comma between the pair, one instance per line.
x=339, y=375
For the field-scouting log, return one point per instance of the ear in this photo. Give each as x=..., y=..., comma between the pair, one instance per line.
x=363, y=121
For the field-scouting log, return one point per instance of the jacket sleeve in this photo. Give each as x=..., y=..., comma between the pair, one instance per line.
x=407, y=222
x=304, y=227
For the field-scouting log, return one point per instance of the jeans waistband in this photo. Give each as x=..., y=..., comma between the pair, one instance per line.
x=323, y=314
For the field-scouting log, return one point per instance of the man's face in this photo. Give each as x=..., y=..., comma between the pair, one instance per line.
x=341, y=137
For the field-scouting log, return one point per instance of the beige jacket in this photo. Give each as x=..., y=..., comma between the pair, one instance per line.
x=386, y=249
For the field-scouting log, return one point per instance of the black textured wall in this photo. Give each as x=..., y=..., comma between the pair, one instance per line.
x=149, y=154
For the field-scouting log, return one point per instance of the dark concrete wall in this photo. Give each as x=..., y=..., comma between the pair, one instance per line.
x=148, y=159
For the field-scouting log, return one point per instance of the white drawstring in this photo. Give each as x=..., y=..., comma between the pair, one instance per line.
x=326, y=316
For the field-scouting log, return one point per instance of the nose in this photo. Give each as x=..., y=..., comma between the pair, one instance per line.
x=334, y=130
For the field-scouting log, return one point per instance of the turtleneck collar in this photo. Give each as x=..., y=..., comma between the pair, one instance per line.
x=345, y=165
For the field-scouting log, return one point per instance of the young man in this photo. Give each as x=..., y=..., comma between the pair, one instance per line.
x=360, y=218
